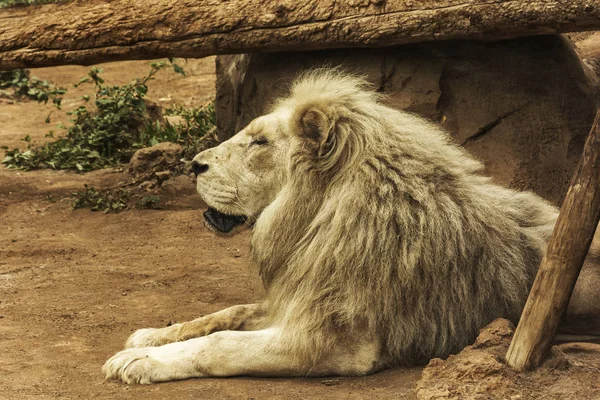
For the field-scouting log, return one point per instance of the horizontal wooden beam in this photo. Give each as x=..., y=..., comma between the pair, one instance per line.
x=84, y=32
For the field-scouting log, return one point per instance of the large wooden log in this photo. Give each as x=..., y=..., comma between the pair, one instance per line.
x=564, y=258
x=84, y=32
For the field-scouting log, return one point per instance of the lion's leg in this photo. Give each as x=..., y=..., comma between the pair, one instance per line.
x=241, y=317
x=231, y=353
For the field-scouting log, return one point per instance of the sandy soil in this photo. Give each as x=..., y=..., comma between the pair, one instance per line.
x=75, y=284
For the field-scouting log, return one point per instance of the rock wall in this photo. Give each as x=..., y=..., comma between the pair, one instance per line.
x=522, y=106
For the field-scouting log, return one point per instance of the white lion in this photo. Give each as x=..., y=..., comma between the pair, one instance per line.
x=377, y=238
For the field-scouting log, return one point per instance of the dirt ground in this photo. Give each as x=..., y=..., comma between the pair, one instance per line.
x=75, y=284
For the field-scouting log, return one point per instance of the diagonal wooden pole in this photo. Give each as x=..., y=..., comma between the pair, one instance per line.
x=560, y=267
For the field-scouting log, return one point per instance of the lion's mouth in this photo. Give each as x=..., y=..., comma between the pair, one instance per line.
x=223, y=223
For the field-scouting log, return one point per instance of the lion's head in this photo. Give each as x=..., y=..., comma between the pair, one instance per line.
x=241, y=177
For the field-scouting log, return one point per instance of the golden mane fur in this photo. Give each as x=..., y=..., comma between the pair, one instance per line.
x=385, y=228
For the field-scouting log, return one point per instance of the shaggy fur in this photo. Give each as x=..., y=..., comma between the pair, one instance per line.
x=386, y=226
x=378, y=240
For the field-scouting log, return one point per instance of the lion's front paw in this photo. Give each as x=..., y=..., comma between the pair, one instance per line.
x=133, y=366
x=154, y=364
x=150, y=337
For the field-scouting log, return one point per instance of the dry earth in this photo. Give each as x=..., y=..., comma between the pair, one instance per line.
x=75, y=284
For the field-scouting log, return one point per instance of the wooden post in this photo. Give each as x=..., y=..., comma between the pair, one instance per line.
x=560, y=268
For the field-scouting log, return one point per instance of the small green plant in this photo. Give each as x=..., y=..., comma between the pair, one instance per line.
x=112, y=200
x=106, y=131
x=150, y=201
x=19, y=83
x=106, y=201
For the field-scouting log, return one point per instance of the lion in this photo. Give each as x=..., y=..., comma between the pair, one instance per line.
x=378, y=239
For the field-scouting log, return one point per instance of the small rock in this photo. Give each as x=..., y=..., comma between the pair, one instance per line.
x=149, y=159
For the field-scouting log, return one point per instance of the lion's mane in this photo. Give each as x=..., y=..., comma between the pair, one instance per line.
x=387, y=229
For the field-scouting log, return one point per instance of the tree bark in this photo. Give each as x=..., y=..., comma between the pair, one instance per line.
x=564, y=258
x=85, y=32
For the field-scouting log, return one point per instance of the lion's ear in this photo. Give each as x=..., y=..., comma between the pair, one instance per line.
x=314, y=123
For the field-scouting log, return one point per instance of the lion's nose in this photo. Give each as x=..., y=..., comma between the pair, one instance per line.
x=199, y=168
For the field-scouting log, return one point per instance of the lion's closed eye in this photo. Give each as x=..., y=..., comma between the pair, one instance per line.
x=261, y=141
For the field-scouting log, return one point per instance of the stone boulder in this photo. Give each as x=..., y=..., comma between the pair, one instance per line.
x=160, y=157
x=524, y=106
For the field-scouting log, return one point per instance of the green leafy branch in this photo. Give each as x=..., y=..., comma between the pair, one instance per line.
x=105, y=131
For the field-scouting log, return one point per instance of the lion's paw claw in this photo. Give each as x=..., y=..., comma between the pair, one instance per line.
x=131, y=366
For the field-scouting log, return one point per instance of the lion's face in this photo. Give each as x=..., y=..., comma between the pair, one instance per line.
x=306, y=134
x=243, y=175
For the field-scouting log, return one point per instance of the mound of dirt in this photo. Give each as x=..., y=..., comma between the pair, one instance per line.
x=480, y=371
